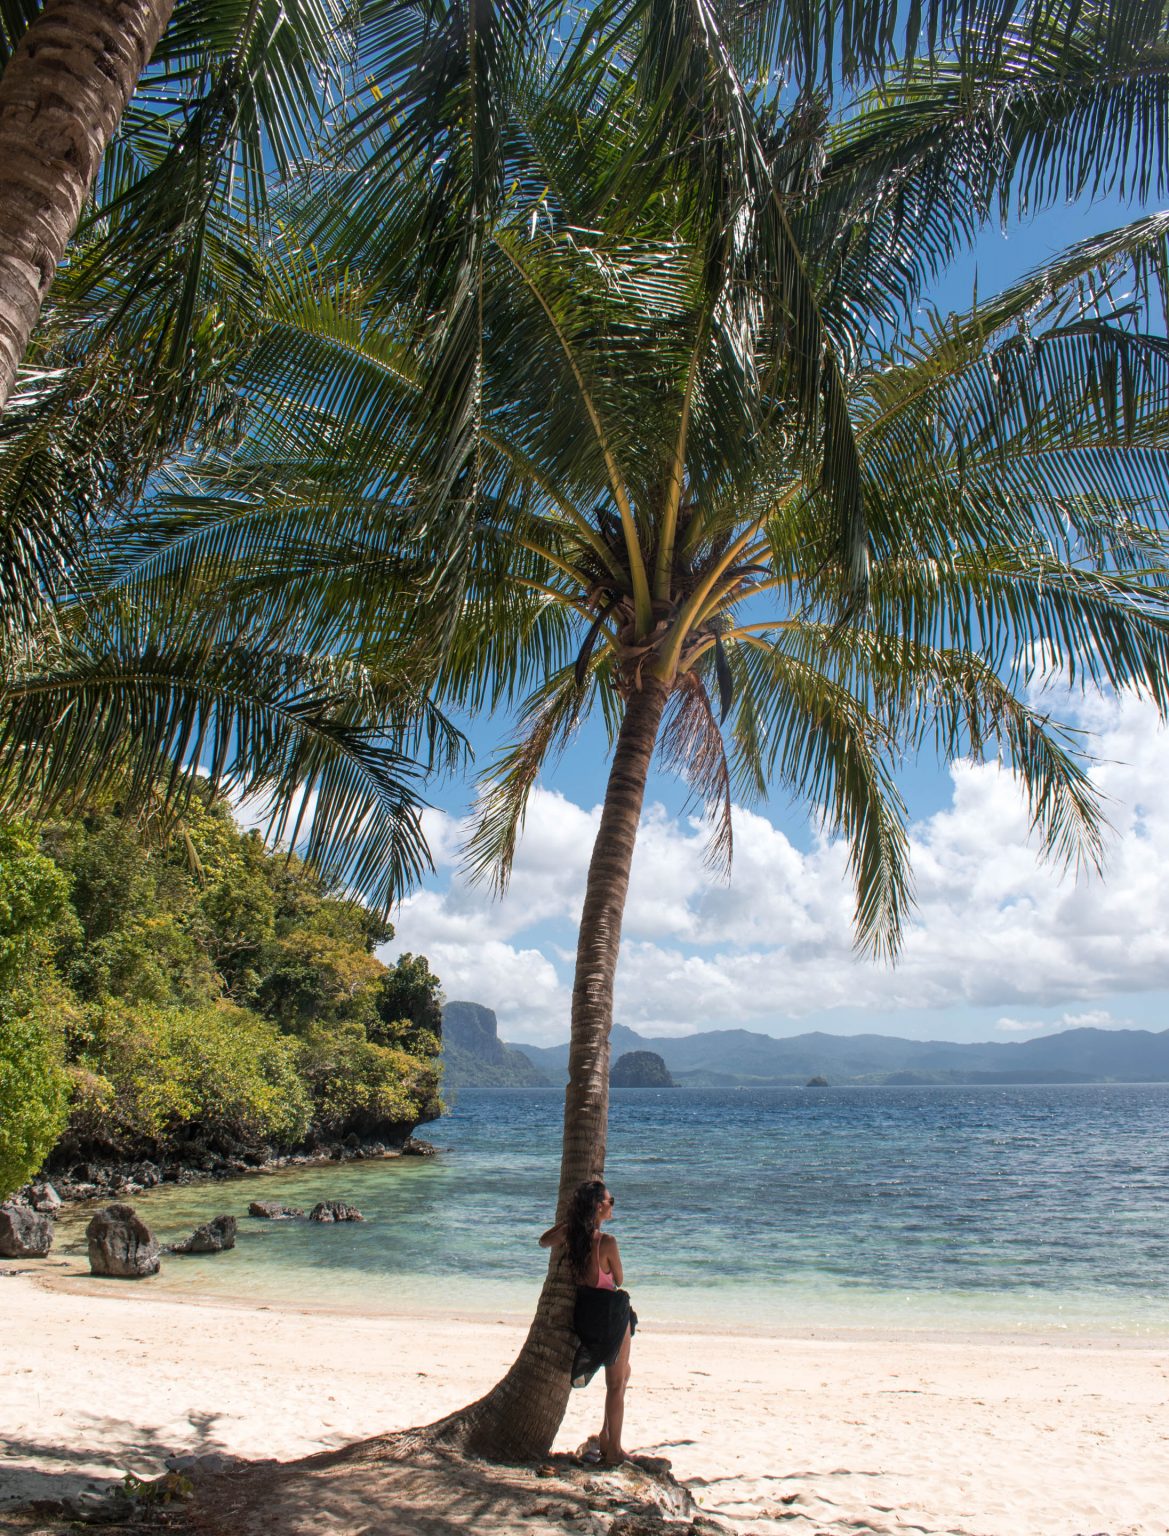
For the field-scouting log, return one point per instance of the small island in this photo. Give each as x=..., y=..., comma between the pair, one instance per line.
x=640, y=1069
x=817, y=1082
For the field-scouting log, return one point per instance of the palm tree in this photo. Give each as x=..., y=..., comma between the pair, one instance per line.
x=235, y=90
x=58, y=111
x=134, y=362
x=615, y=338
x=139, y=696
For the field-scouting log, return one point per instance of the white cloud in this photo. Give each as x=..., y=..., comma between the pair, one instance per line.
x=515, y=982
x=254, y=812
x=1094, y=1018
x=994, y=926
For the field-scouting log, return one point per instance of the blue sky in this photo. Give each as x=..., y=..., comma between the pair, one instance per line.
x=1002, y=947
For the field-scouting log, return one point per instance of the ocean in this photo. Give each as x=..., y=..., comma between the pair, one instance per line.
x=1005, y=1210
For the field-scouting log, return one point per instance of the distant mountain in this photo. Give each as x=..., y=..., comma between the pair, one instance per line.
x=475, y=1057
x=739, y=1057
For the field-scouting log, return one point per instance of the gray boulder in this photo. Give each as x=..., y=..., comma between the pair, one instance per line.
x=204, y=1463
x=24, y=1233
x=122, y=1245
x=46, y=1200
x=335, y=1210
x=272, y=1210
x=414, y=1146
x=214, y=1236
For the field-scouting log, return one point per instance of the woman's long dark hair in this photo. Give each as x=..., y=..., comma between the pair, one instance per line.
x=580, y=1224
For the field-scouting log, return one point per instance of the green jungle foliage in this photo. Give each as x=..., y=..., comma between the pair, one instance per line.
x=166, y=993
x=33, y=1083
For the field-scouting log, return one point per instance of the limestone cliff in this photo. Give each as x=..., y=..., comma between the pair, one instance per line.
x=475, y=1056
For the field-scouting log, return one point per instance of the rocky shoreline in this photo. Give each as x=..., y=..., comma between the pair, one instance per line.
x=76, y=1182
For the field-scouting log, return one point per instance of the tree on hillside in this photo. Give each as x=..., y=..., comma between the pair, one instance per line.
x=170, y=998
x=33, y=1087
x=625, y=339
x=409, y=1004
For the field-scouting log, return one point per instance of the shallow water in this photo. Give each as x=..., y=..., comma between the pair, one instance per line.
x=1014, y=1209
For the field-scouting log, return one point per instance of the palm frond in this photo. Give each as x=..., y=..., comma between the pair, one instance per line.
x=691, y=745
x=1042, y=415
x=804, y=376
x=54, y=485
x=16, y=16
x=801, y=46
x=545, y=726
x=960, y=702
x=112, y=709
x=1030, y=615
x=920, y=165
x=824, y=742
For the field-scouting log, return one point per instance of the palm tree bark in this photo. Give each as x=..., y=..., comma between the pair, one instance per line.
x=62, y=96
x=519, y=1418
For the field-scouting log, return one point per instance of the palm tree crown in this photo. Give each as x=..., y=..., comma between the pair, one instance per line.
x=641, y=373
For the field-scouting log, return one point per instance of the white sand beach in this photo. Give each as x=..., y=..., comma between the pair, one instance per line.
x=812, y=1436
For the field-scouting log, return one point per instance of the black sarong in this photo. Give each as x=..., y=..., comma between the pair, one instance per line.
x=600, y=1319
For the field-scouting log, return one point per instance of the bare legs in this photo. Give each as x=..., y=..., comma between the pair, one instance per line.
x=616, y=1378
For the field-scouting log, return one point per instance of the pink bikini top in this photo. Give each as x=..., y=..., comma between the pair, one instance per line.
x=605, y=1281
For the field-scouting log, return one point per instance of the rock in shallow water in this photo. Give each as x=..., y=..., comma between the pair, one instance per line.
x=121, y=1245
x=24, y=1233
x=272, y=1210
x=46, y=1200
x=214, y=1236
x=335, y=1210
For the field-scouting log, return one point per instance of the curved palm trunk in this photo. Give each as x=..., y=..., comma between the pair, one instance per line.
x=518, y=1419
x=62, y=96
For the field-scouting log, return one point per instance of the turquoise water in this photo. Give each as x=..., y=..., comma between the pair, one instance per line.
x=1016, y=1209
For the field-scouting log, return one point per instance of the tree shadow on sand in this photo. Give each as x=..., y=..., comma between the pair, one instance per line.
x=393, y=1485
x=38, y=1470
x=403, y=1485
